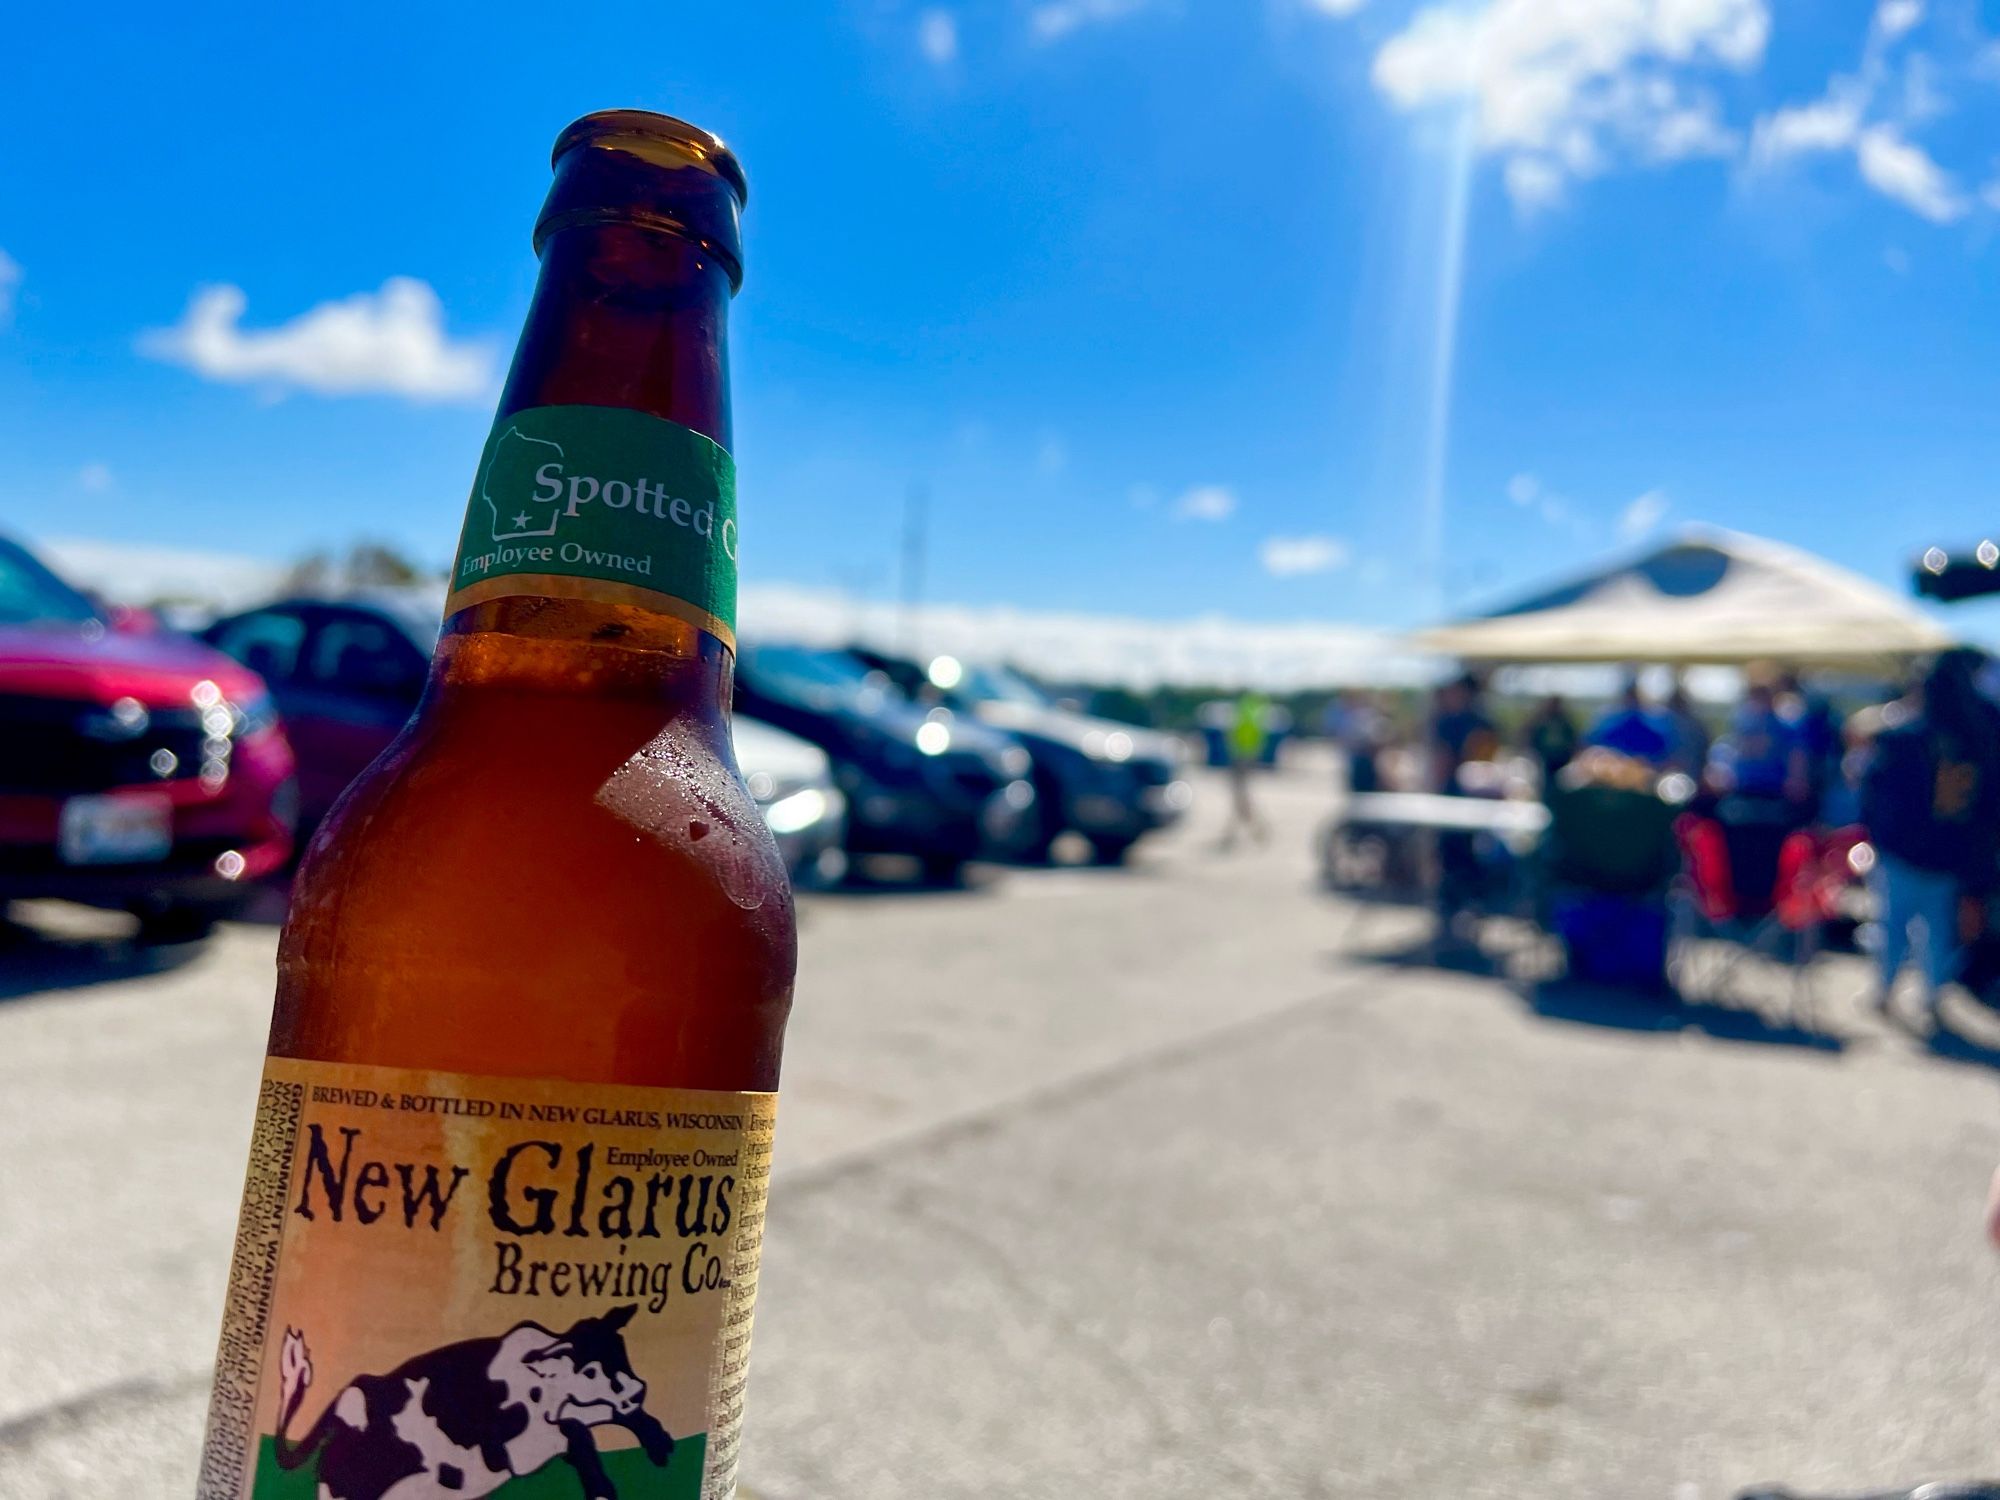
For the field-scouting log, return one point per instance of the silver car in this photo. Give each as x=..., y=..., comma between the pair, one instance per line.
x=793, y=784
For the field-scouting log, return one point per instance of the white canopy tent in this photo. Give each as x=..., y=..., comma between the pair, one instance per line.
x=1707, y=597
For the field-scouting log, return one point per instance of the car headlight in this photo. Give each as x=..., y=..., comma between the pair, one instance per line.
x=1108, y=747
x=800, y=810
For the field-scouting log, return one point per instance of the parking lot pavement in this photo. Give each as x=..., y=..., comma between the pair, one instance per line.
x=1162, y=1182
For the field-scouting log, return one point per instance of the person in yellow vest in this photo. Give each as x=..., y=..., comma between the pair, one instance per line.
x=1247, y=736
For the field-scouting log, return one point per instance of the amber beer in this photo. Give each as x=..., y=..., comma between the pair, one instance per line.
x=506, y=1189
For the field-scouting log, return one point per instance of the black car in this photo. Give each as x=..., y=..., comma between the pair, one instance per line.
x=1112, y=783
x=935, y=785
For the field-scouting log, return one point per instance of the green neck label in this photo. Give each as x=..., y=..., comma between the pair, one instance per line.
x=605, y=504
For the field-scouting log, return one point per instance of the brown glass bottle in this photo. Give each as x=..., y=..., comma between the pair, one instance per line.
x=555, y=874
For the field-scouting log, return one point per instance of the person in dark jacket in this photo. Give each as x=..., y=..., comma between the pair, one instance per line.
x=1553, y=737
x=1930, y=798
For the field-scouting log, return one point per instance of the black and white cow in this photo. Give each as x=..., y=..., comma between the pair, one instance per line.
x=465, y=1419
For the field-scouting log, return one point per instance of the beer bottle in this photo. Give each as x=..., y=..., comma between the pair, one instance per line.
x=506, y=1186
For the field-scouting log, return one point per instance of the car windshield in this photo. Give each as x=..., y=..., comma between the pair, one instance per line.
x=1000, y=685
x=806, y=675
x=31, y=595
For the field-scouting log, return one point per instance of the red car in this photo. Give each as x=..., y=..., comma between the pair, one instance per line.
x=139, y=769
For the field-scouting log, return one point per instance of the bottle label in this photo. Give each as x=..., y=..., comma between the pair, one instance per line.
x=605, y=504
x=448, y=1285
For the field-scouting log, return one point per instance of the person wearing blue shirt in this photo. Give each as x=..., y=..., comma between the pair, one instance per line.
x=1632, y=728
x=1761, y=755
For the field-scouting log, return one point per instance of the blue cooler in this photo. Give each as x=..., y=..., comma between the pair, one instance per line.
x=1613, y=940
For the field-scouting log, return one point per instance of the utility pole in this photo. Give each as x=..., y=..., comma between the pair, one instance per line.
x=916, y=515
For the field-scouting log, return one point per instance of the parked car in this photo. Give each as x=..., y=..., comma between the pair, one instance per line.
x=793, y=782
x=1111, y=782
x=139, y=770
x=938, y=785
x=346, y=674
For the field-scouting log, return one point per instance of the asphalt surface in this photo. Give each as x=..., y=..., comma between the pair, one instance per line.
x=1181, y=1181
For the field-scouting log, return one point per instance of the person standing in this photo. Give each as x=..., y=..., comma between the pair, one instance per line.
x=1553, y=737
x=1760, y=757
x=1757, y=771
x=1247, y=736
x=1358, y=726
x=1630, y=727
x=1689, y=736
x=1460, y=734
x=1930, y=798
x=1809, y=719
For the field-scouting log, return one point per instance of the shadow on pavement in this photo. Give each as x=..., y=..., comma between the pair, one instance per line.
x=891, y=875
x=1631, y=1010
x=1661, y=1012
x=33, y=961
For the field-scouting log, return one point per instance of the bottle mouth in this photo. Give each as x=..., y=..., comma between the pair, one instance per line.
x=631, y=166
x=662, y=139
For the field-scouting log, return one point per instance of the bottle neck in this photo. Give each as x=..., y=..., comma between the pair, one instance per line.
x=602, y=520
x=631, y=318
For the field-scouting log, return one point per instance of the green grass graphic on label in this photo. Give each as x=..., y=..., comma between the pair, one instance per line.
x=632, y=1476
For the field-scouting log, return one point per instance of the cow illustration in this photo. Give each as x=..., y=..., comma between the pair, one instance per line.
x=465, y=1419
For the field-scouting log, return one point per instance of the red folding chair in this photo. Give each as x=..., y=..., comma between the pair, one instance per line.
x=1717, y=928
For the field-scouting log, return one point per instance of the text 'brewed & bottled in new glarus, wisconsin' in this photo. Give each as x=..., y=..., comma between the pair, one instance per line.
x=501, y=1224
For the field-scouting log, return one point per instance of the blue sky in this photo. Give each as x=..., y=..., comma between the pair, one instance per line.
x=1145, y=293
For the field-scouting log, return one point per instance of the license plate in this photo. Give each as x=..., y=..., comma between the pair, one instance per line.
x=115, y=830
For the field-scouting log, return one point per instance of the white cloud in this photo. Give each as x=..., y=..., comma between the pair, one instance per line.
x=1893, y=18
x=1292, y=556
x=1206, y=502
x=1532, y=494
x=1209, y=650
x=937, y=37
x=1832, y=123
x=1534, y=183
x=94, y=478
x=1056, y=19
x=1898, y=169
x=1335, y=7
x=1679, y=132
x=1867, y=115
x=1569, y=85
x=1924, y=97
x=1643, y=514
x=390, y=342
x=10, y=281
x=125, y=573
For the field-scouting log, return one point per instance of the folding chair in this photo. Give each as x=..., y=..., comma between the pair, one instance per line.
x=1718, y=926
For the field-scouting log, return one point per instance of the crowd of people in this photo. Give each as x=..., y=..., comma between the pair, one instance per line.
x=1919, y=774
